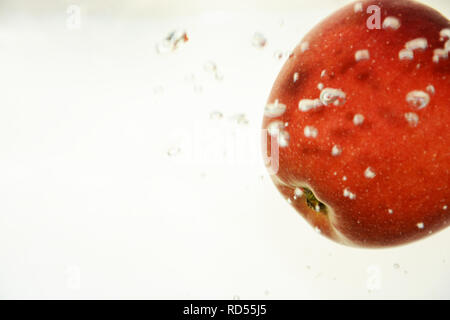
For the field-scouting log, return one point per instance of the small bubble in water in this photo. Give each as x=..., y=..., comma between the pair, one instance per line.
x=296, y=76
x=440, y=54
x=420, y=225
x=336, y=151
x=275, y=109
x=406, y=54
x=358, y=7
x=298, y=192
x=362, y=55
x=431, y=89
x=304, y=46
x=335, y=96
x=358, y=119
x=391, y=23
x=275, y=127
x=172, y=41
x=241, y=119
x=412, y=118
x=369, y=173
x=308, y=104
x=283, y=139
x=259, y=40
x=417, y=44
x=310, y=132
x=417, y=99
x=396, y=266
x=445, y=33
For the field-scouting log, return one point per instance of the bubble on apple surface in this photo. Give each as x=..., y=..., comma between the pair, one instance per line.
x=445, y=33
x=391, y=23
x=298, y=192
x=361, y=55
x=172, y=41
x=369, y=173
x=259, y=40
x=406, y=54
x=447, y=45
x=348, y=194
x=283, y=139
x=310, y=132
x=317, y=229
x=295, y=77
x=390, y=211
x=431, y=89
x=336, y=151
x=332, y=96
x=440, y=54
x=412, y=118
x=445, y=207
x=344, y=178
x=323, y=73
x=320, y=86
x=420, y=225
x=418, y=99
x=273, y=110
x=417, y=44
x=289, y=200
x=358, y=7
x=304, y=46
x=275, y=127
x=308, y=104
x=358, y=119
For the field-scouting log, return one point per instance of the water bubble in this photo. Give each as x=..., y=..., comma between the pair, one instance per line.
x=275, y=127
x=308, y=104
x=362, y=55
x=406, y=54
x=330, y=95
x=412, y=118
x=283, y=139
x=320, y=86
x=336, y=151
x=431, y=89
x=369, y=173
x=417, y=99
x=296, y=76
x=358, y=119
x=358, y=7
x=259, y=40
x=348, y=194
x=310, y=132
x=445, y=33
x=172, y=41
x=273, y=110
x=298, y=192
x=417, y=44
x=391, y=23
x=445, y=207
x=304, y=46
x=323, y=73
x=420, y=225
x=390, y=211
x=440, y=54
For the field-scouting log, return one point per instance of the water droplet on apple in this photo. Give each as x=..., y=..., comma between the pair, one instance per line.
x=369, y=173
x=336, y=151
x=406, y=54
x=417, y=99
x=417, y=44
x=348, y=194
x=335, y=96
x=358, y=119
x=391, y=23
x=412, y=118
x=273, y=110
x=310, y=132
x=307, y=104
x=420, y=225
x=362, y=55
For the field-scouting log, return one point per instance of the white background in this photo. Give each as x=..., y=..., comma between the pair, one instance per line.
x=116, y=183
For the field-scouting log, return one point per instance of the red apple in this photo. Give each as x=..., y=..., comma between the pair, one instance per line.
x=360, y=114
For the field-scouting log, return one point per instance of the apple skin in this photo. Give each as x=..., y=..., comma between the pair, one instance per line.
x=409, y=196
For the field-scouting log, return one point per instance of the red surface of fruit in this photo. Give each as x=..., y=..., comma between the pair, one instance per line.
x=387, y=182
